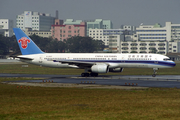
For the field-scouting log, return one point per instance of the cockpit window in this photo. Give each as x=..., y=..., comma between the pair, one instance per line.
x=166, y=59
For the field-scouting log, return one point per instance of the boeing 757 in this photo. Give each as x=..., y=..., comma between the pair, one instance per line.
x=92, y=63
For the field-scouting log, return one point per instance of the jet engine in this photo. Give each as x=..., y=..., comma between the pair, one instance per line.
x=100, y=68
x=116, y=69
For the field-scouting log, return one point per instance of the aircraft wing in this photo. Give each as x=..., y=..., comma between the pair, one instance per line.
x=78, y=63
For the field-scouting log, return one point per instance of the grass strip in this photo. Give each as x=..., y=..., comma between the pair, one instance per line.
x=86, y=104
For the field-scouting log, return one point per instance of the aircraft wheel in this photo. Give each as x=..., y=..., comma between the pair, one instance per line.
x=84, y=74
x=154, y=70
x=94, y=74
x=154, y=75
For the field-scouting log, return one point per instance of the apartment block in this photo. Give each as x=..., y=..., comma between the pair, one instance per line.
x=169, y=33
x=103, y=34
x=44, y=34
x=68, y=29
x=152, y=33
x=6, y=27
x=98, y=24
x=144, y=47
x=35, y=20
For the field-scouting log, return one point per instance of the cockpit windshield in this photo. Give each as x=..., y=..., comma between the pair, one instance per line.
x=166, y=59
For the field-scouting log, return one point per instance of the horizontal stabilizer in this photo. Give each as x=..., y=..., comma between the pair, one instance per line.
x=24, y=58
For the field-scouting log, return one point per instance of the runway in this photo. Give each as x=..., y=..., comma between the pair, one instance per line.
x=164, y=81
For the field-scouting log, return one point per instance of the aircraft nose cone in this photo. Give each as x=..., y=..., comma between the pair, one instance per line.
x=173, y=64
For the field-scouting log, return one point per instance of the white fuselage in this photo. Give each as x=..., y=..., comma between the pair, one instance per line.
x=112, y=60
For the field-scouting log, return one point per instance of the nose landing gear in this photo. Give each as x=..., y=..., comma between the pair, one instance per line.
x=154, y=70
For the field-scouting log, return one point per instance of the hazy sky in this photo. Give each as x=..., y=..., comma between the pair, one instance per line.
x=120, y=12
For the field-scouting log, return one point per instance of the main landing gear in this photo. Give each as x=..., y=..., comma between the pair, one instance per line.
x=84, y=74
x=154, y=69
x=94, y=74
x=87, y=74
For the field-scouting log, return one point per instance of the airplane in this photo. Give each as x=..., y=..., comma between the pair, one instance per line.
x=92, y=63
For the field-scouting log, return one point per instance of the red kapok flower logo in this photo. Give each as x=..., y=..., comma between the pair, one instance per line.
x=24, y=41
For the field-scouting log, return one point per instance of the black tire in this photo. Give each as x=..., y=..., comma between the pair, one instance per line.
x=84, y=74
x=154, y=75
x=94, y=74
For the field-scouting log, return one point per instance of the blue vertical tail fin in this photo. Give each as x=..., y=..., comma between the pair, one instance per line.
x=26, y=45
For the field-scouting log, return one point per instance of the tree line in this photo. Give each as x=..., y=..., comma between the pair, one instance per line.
x=76, y=44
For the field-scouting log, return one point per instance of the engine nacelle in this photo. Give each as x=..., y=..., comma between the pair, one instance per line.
x=99, y=68
x=116, y=69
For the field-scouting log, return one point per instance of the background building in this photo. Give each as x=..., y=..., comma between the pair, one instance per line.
x=114, y=43
x=35, y=20
x=98, y=24
x=103, y=34
x=68, y=29
x=6, y=27
x=29, y=32
x=131, y=29
x=174, y=47
x=170, y=33
x=151, y=33
x=144, y=47
x=173, y=31
x=113, y=37
x=127, y=39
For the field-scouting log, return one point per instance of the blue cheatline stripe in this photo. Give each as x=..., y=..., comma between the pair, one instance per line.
x=162, y=63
